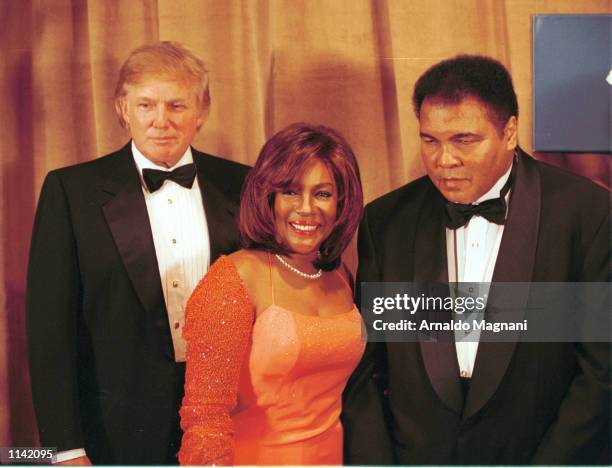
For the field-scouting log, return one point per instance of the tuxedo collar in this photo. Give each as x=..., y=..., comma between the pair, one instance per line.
x=221, y=216
x=515, y=263
x=128, y=220
x=438, y=349
x=142, y=162
x=124, y=208
x=495, y=191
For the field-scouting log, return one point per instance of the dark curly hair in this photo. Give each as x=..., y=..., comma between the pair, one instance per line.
x=464, y=76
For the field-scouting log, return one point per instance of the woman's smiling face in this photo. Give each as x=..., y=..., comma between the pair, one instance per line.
x=305, y=212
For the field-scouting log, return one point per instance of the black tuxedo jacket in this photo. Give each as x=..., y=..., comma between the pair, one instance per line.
x=544, y=403
x=101, y=356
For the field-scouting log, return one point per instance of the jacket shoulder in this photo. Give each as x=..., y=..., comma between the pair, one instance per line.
x=560, y=182
x=101, y=164
x=220, y=164
x=227, y=175
x=572, y=197
x=405, y=197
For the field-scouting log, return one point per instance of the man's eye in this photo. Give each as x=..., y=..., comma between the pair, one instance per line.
x=428, y=141
x=179, y=106
x=144, y=105
x=467, y=140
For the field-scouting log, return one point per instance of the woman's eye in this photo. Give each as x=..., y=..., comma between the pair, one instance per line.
x=289, y=192
x=324, y=194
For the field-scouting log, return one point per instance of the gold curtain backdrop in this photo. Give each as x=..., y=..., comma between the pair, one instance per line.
x=348, y=64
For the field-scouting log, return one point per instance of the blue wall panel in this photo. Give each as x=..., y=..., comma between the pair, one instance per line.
x=572, y=58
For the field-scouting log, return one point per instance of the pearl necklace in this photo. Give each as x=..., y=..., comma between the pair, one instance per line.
x=290, y=267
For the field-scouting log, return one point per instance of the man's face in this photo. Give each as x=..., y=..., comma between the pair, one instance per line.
x=462, y=150
x=163, y=117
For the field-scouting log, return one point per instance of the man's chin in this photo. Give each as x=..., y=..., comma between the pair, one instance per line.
x=163, y=158
x=456, y=197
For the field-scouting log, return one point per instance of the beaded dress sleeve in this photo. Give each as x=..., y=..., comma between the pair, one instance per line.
x=218, y=325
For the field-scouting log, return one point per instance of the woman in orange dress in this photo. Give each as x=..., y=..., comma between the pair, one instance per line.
x=272, y=332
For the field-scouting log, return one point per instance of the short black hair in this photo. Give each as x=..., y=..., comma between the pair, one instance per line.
x=464, y=76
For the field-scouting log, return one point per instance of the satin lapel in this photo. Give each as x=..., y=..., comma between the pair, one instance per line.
x=221, y=214
x=515, y=263
x=430, y=268
x=128, y=220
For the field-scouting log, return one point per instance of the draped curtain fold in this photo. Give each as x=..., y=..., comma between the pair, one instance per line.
x=348, y=64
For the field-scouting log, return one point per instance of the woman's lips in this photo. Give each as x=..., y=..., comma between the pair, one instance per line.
x=304, y=229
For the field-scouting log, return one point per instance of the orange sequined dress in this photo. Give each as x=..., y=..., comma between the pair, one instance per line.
x=263, y=393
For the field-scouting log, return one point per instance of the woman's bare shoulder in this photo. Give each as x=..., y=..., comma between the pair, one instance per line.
x=252, y=266
x=249, y=263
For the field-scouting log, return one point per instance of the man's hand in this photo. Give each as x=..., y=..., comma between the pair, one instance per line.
x=80, y=461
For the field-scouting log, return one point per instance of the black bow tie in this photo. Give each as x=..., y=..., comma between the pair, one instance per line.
x=458, y=214
x=494, y=210
x=184, y=175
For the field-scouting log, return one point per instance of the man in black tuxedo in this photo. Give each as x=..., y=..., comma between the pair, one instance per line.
x=480, y=402
x=118, y=245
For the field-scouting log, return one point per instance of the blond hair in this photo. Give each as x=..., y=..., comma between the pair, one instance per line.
x=165, y=59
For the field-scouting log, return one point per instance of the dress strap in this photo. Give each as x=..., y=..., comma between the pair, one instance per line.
x=271, y=282
x=343, y=278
